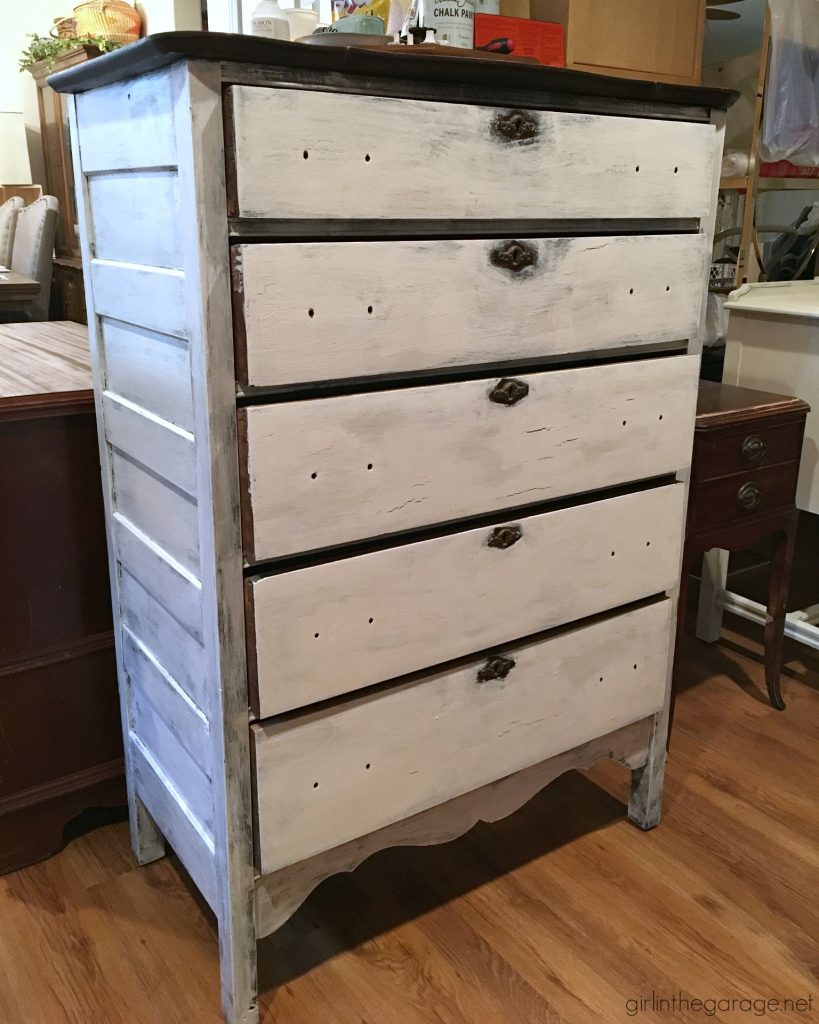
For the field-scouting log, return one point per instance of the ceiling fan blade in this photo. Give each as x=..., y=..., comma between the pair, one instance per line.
x=717, y=15
x=722, y=3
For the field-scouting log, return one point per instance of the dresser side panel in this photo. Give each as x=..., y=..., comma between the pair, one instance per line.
x=125, y=144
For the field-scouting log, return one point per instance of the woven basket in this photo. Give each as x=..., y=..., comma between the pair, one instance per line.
x=112, y=19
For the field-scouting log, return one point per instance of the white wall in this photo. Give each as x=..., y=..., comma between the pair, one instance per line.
x=18, y=91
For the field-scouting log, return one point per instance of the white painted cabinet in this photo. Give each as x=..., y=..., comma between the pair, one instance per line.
x=396, y=381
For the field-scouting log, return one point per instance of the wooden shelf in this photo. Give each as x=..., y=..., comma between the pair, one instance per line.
x=769, y=184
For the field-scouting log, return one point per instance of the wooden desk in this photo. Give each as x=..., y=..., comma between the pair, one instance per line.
x=60, y=746
x=16, y=291
x=747, y=446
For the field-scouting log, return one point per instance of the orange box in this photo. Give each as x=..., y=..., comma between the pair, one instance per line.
x=520, y=37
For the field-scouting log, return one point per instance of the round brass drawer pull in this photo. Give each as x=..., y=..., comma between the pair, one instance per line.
x=497, y=667
x=753, y=448
x=748, y=497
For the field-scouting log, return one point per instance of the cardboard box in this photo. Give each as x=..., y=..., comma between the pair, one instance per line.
x=515, y=9
x=520, y=37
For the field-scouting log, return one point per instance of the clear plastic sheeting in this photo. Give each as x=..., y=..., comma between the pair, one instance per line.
x=790, y=126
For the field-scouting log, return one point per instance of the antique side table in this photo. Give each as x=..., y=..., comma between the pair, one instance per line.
x=747, y=446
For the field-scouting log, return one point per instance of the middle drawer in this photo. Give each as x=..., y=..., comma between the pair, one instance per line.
x=335, y=627
x=329, y=471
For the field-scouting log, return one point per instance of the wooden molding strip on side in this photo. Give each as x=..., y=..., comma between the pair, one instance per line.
x=280, y=894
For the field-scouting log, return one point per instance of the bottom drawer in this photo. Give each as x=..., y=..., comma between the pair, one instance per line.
x=327, y=776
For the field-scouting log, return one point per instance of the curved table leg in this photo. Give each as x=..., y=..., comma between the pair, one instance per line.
x=784, y=541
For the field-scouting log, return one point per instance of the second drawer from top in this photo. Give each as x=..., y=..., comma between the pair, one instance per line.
x=318, y=311
x=329, y=471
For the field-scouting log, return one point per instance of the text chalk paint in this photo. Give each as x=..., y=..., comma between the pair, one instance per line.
x=452, y=21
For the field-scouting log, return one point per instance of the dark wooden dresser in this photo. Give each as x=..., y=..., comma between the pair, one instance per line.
x=60, y=739
x=747, y=447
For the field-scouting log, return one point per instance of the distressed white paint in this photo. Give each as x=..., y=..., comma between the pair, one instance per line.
x=165, y=449
x=149, y=369
x=128, y=208
x=159, y=574
x=144, y=296
x=126, y=125
x=445, y=160
x=170, y=643
x=328, y=776
x=150, y=682
x=323, y=310
x=147, y=839
x=203, y=216
x=157, y=509
x=172, y=757
x=393, y=611
x=645, y=801
x=322, y=473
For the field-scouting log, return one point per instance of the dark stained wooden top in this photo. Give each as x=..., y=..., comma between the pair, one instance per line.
x=165, y=48
x=722, y=405
x=44, y=367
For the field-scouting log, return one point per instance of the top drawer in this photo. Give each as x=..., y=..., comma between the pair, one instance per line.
x=312, y=154
x=721, y=453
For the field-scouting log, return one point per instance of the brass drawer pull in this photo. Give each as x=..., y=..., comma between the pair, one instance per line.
x=514, y=256
x=508, y=391
x=516, y=126
x=496, y=668
x=748, y=497
x=753, y=448
x=504, y=536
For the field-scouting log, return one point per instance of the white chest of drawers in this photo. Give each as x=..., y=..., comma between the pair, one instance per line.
x=396, y=390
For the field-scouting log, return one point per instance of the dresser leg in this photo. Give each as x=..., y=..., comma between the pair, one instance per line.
x=237, y=963
x=645, y=803
x=714, y=576
x=147, y=841
x=781, y=565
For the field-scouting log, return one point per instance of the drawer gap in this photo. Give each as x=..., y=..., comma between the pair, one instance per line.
x=452, y=374
x=288, y=563
x=249, y=229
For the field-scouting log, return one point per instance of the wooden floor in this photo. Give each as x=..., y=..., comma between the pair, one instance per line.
x=561, y=913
